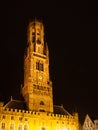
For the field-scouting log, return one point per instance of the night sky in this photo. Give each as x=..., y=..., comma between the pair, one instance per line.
x=71, y=31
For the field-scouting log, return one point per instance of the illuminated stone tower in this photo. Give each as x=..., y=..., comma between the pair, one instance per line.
x=37, y=89
x=37, y=112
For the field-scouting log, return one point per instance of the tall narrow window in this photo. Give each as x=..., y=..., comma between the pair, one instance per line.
x=33, y=37
x=3, y=116
x=37, y=65
x=3, y=126
x=41, y=67
x=20, y=127
x=12, y=127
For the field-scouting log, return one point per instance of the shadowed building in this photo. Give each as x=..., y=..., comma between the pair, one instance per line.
x=36, y=111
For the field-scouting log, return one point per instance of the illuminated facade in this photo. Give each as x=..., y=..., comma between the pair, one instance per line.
x=90, y=124
x=36, y=111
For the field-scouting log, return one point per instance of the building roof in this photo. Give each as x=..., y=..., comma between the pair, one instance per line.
x=18, y=104
x=60, y=110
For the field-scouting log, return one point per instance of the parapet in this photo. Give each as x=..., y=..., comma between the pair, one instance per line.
x=36, y=114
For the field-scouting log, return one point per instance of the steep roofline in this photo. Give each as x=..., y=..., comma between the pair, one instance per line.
x=63, y=109
x=11, y=99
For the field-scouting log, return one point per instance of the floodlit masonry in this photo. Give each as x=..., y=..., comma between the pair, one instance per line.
x=36, y=111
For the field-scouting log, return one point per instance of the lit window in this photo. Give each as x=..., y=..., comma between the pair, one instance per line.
x=26, y=119
x=12, y=127
x=20, y=127
x=41, y=66
x=20, y=118
x=25, y=127
x=3, y=116
x=12, y=117
x=37, y=65
x=3, y=126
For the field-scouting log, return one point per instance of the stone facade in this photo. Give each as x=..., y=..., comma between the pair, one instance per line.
x=36, y=111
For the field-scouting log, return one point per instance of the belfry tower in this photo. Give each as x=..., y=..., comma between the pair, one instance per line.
x=37, y=89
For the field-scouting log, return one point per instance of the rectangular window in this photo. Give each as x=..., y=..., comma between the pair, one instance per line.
x=3, y=117
x=12, y=117
x=39, y=66
x=20, y=118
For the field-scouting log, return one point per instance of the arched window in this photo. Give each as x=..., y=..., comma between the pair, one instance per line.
x=41, y=103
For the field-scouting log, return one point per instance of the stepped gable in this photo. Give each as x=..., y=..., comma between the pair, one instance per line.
x=16, y=104
x=61, y=110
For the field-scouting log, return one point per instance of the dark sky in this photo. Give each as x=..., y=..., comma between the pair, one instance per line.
x=71, y=31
